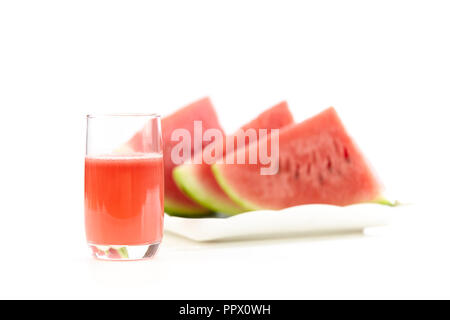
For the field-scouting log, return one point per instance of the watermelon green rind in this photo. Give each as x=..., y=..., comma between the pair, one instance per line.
x=382, y=200
x=123, y=252
x=247, y=205
x=172, y=208
x=187, y=181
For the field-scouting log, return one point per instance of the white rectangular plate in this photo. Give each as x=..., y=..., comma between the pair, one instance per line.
x=295, y=221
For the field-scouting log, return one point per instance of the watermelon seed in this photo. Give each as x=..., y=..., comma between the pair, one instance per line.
x=297, y=171
x=346, y=156
x=329, y=165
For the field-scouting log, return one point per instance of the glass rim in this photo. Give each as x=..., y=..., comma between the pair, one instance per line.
x=118, y=115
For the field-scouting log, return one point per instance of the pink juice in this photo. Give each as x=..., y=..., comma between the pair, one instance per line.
x=124, y=199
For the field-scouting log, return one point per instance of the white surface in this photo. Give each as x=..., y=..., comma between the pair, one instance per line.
x=384, y=65
x=294, y=221
x=406, y=260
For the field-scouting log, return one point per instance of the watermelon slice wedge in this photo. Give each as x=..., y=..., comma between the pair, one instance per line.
x=318, y=163
x=176, y=202
x=198, y=181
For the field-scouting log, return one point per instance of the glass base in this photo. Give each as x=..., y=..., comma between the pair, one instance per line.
x=124, y=253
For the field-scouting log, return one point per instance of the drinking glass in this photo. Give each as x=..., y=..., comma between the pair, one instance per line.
x=124, y=186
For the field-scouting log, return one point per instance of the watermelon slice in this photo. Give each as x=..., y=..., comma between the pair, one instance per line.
x=318, y=163
x=176, y=202
x=198, y=181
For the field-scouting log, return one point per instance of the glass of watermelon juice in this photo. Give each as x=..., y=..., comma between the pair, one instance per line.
x=124, y=186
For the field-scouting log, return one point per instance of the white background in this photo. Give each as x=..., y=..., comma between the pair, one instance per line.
x=384, y=65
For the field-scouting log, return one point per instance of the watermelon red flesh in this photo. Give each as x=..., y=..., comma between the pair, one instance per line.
x=198, y=181
x=318, y=163
x=176, y=202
